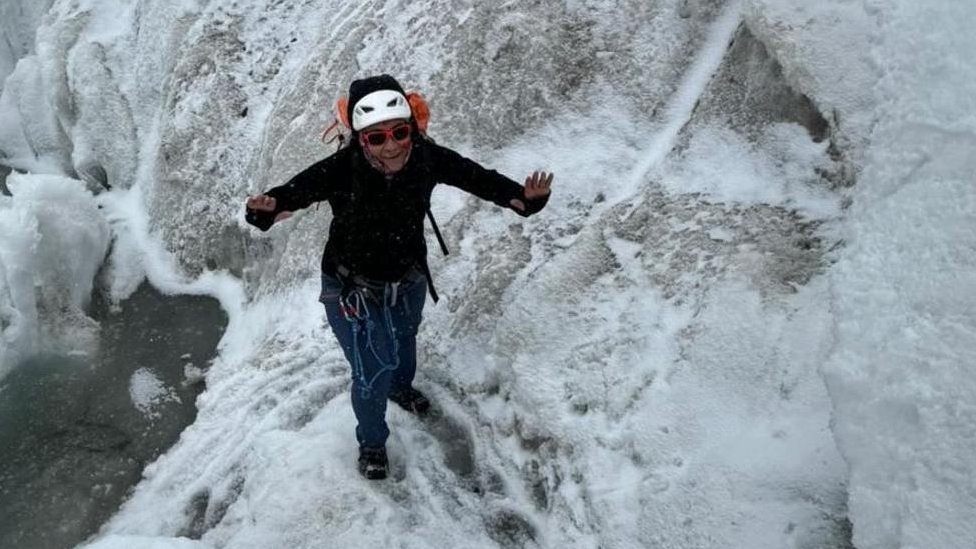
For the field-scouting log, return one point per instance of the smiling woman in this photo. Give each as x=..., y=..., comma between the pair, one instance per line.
x=375, y=276
x=387, y=145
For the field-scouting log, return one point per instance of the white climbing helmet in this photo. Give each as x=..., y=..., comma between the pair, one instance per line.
x=379, y=106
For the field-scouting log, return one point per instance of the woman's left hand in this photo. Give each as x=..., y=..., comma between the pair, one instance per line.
x=536, y=186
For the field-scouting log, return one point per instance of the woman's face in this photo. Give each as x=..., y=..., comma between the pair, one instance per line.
x=389, y=142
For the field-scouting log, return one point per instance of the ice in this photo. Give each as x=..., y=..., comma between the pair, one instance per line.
x=54, y=241
x=904, y=292
x=18, y=24
x=682, y=104
x=781, y=169
x=7, y=61
x=825, y=52
x=639, y=365
x=583, y=393
x=146, y=542
x=31, y=138
x=148, y=391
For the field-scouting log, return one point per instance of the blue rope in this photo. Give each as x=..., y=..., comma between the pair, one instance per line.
x=358, y=316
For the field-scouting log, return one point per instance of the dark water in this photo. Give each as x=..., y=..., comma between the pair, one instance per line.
x=72, y=442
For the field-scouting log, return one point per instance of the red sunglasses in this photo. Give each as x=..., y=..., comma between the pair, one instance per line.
x=376, y=138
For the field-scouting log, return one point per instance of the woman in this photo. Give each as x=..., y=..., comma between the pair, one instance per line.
x=375, y=276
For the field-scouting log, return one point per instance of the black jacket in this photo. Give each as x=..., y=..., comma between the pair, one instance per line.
x=377, y=229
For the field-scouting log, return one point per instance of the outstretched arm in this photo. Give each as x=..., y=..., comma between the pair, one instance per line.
x=466, y=174
x=309, y=186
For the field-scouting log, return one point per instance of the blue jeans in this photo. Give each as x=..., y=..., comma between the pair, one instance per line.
x=378, y=334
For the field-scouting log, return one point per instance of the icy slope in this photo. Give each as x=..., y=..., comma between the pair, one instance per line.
x=904, y=292
x=636, y=366
x=583, y=362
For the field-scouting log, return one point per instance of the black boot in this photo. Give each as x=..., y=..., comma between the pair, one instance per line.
x=372, y=463
x=411, y=400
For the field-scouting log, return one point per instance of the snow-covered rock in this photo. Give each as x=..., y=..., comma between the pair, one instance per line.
x=904, y=291
x=54, y=241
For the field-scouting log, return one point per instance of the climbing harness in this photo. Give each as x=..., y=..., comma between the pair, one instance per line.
x=354, y=307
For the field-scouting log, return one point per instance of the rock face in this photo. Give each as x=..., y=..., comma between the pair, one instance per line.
x=208, y=105
x=265, y=93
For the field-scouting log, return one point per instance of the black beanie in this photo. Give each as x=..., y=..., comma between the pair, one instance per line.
x=361, y=88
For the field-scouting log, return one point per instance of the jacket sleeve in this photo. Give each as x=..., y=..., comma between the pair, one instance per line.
x=455, y=170
x=314, y=184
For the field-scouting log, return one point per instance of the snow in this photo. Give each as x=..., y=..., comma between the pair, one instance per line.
x=145, y=542
x=18, y=23
x=289, y=447
x=683, y=103
x=54, y=241
x=591, y=429
x=148, y=391
x=825, y=52
x=7, y=60
x=641, y=364
x=780, y=169
x=137, y=255
x=904, y=292
x=31, y=138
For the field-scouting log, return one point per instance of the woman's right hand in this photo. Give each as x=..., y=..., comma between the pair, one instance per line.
x=265, y=203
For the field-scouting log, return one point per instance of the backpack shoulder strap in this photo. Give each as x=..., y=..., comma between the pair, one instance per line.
x=425, y=154
x=437, y=231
